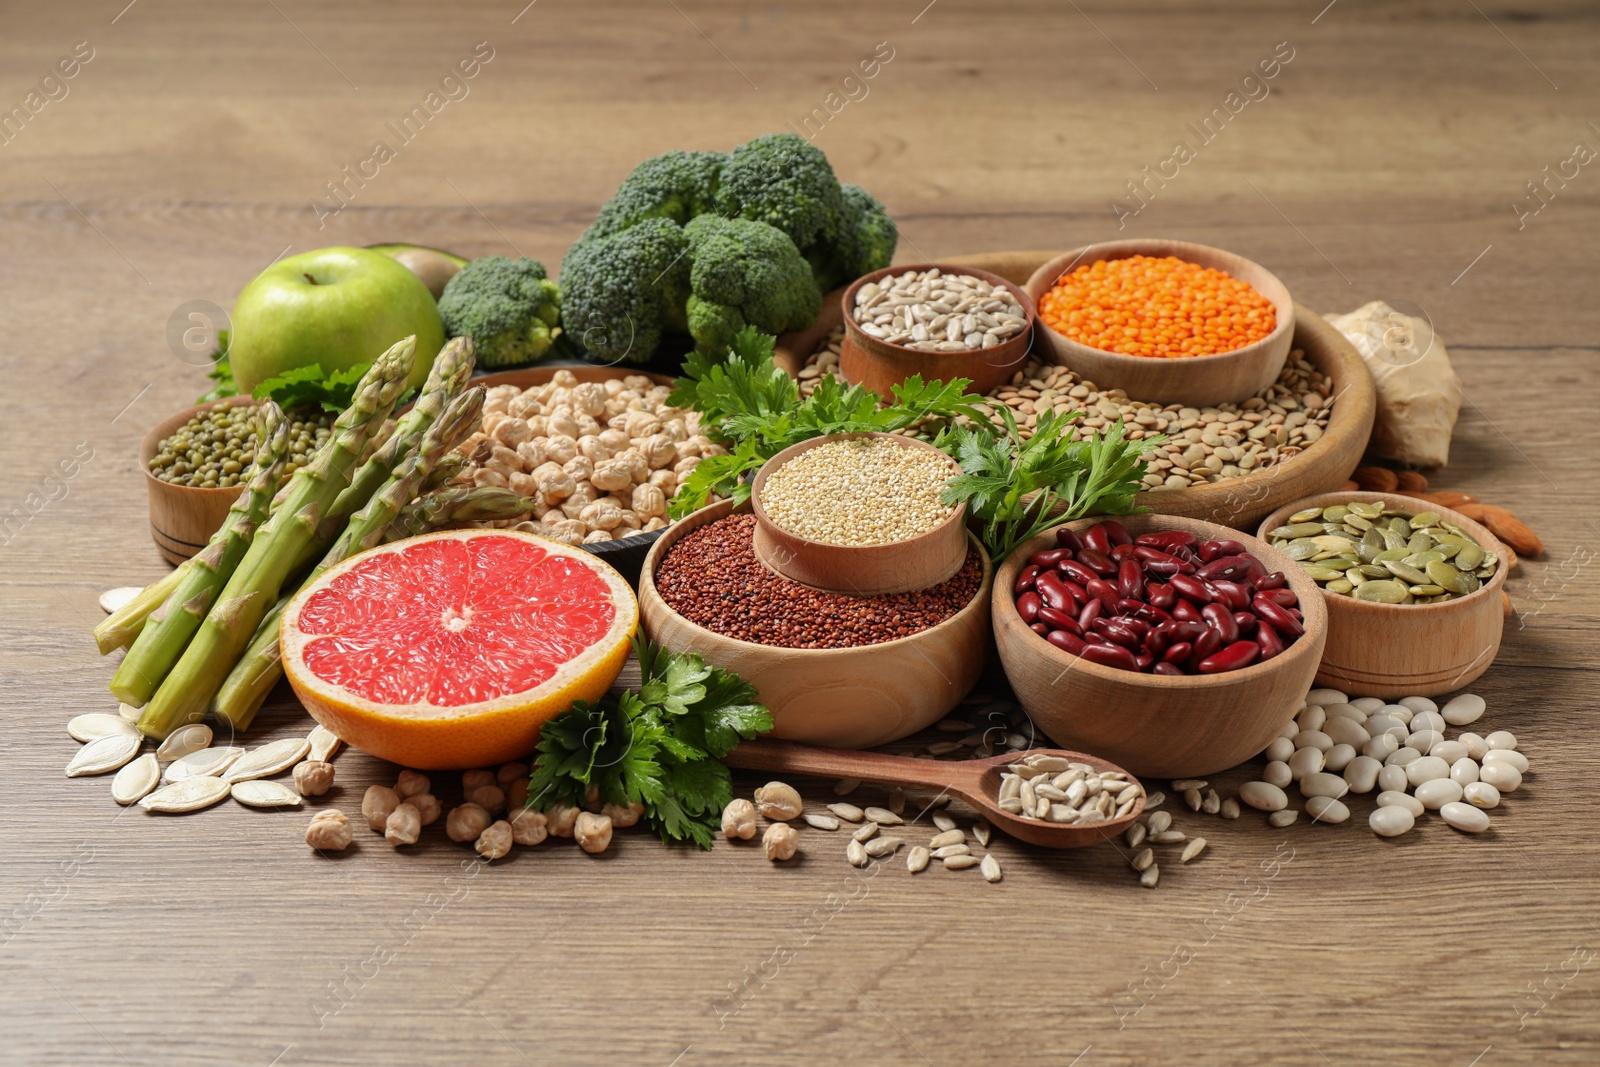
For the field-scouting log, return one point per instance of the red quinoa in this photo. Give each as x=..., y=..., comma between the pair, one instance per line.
x=712, y=578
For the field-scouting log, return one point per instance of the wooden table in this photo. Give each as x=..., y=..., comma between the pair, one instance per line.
x=1384, y=161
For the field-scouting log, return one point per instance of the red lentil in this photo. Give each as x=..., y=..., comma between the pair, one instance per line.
x=712, y=578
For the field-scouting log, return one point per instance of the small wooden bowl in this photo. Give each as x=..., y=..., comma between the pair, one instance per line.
x=1154, y=725
x=880, y=366
x=1227, y=377
x=860, y=570
x=1398, y=650
x=182, y=517
x=839, y=697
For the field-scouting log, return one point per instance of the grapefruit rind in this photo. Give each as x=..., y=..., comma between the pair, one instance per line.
x=429, y=736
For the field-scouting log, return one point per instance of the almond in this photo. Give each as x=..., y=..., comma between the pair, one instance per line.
x=1376, y=479
x=1450, y=498
x=1413, y=482
x=1512, y=530
x=1505, y=605
x=1349, y=487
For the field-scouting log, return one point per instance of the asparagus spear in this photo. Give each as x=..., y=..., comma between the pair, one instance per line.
x=187, y=691
x=121, y=628
x=449, y=466
x=167, y=632
x=258, y=670
x=457, y=503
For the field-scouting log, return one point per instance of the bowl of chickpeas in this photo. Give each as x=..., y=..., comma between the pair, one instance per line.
x=1165, y=321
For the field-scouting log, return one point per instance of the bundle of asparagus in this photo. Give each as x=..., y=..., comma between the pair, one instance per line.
x=205, y=637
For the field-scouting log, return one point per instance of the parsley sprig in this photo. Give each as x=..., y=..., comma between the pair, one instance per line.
x=660, y=745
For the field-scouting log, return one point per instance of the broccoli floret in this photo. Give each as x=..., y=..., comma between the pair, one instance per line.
x=864, y=241
x=784, y=181
x=674, y=185
x=625, y=289
x=745, y=273
x=509, y=307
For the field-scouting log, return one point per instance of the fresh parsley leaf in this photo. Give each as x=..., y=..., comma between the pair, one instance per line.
x=221, y=372
x=311, y=387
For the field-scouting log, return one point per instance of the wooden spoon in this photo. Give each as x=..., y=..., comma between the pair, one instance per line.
x=975, y=781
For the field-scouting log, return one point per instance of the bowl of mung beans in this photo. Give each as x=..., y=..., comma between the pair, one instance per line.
x=1413, y=590
x=1168, y=321
x=196, y=462
x=859, y=513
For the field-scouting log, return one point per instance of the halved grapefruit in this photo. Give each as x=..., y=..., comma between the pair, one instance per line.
x=451, y=650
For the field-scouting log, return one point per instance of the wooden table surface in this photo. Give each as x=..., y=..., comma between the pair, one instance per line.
x=1386, y=159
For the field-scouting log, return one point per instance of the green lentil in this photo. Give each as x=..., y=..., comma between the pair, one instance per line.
x=214, y=448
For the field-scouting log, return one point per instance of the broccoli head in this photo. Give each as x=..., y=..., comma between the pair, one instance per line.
x=785, y=181
x=863, y=242
x=674, y=185
x=509, y=308
x=745, y=273
x=625, y=289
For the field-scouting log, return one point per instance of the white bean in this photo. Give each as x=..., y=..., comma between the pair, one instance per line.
x=1461, y=710
x=1382, y=746
x=1305, y=761
x=1502, y=739
x=1323, y=785
x=1402, y=756
x=1280, y=749
x=1326, y=809
x=1325, y=697
x=1481, y=795
x=1392, y=779
x=1426, y=769
x=1418, y=704
x=1477, y=747
x=1464, y=771
x=1263, y=796
x=1311, y=719
x=1277, y=773
x=1393, y=798
x=1338, y=757
x=1437, y=793
x=1362, y=774
x=1346, y=732
x=1449, y=751
x=1319, y=740
x=1391, y=821
x=1503, y=776
x=1465, y=817
x=1507, y=755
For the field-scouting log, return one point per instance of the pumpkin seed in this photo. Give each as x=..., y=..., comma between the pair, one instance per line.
x=191, y=794
x=271, y=758
x=182, y=741
x=206, y=763
x=1381, y=592
x=104, y=754
x=324, y=744
x=136, y=779
x=129, y=712
x=114, y=600
x=97, y=724
x=259, y=794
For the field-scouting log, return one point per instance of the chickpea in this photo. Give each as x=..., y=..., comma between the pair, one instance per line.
x=511, y=432
x=466, y=822
x=560, y=447
x=493, y=419
x=659, y=451
x=780, y=842
x=505, y=460
x=555, y=485
x=471, y=780
x=532, y=455
x=495, y=841
x=587, y=426
x=684, y=467
x=411, y=783
x=491, y=798
x=640, y=424
x=403, y=826
x=601, y=515
x=614, y=439
x=562, y=423
x=655, y=524
x=567, y=531
x=517, y=795
x=523, y=484
x=612, y=474
x=739, y=820
x=329, y=831
x=666, y=481
x=594, y=537
x=648, y=501
x=593, y=832
x=377, y=805
x=427, y=806
x=621, y=816
x=579, y=467
x=638, y=466
x=779, y=801
x=313, y=778
x=528, y=827
x=589, y=398
x=561, y=819
x=483, y=476
x=510, y=772
x=524, y=405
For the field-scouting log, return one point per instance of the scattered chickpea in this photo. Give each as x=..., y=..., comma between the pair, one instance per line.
x=411, y=783
x=495, y=841
x=329, y=831
x=593, y=832
x=427, y=806
x=489, y=797
x=466, y=822
x=561, y=819
x=517, y=795
x=739, y=820
x=591, y=797
x=403, y=826
x=528, y=827
x=313, y=778
x=378, y=803
x=779, y=801
x=621, y=816
x=471, y=780
x=780, y=842
x=509, y=773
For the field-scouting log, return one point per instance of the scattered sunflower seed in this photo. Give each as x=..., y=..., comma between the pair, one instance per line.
x=191, y=794
x=1135, y=835
x=104, y=754
x=1193, y=849
x=962, y=862
x=1143, y=859
x=879, y=847
x=1230, y=808
x=856, y=853
x=991, y=868
x=948, y=837
x=943, y=821
x=946, y=851
x=1212, y=804
x=1154, y=801
x=865, y=832
x=1169, y=837
x=883, y=816
x=1151, y=875
x=917, y=859
x=846, y=786
x=847, y=812
x=897, y=800
x=1159, y=821
x=1284, y=817
x=819, y=821
x=1183, y=785
x=980, y=831
x=1192, y=797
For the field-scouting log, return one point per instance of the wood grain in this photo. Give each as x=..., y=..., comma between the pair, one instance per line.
x=1383, y=164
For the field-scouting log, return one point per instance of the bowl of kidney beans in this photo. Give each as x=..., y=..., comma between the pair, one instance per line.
x=1172, y=646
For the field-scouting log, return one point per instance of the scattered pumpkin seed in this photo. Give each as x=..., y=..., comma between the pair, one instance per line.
x=191, y=794
x=114, y=600
x=256, y=793
x=104, y=754
x=325, y=744
x=206, y=763
x=136, y=779
x=97, y=724
x=271, y=758
x=182, y=741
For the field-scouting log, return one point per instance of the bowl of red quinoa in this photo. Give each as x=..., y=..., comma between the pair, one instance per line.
x=834, y=669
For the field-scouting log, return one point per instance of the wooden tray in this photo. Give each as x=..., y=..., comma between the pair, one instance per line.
x=1237, y=502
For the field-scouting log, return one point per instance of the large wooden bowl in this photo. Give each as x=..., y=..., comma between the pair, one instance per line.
x=918, y=562
x=182, y=517
x=879, y=365
x=1151, y=724
x=844, y=697
x=1398, y=650
x=1227, y=377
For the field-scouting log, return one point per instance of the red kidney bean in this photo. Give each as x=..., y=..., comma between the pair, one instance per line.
x=1096, y=538
x=1080, y=596
x=1092, y=638
x=1066, y=642
x=1145, y=612
x=1185, y=611
x=1065, y=538
x=1229, y=567
x=1026, y=579
x=1167, y=669
x=1160, y=596
x=1130, y=580
x=1158, y=562
x=1049, y=557
x=1221, y=619
x=1117, y=532
x=1256, y=569
x=1204, y=645
x=1246, y=621
x=1039, y=628
x=1275, y=580
x=1143, y=660
x=1091, y=611
x=1059, y=620
x=1097, y=561
x=1276, y=617
x=1190, y=588
x=1028, y=605
x=1236, y=596
x=1271, y=644
x=1052, y=592
x=1177, y=653
x=1187, y=631
x=1110, y=656
x=1210, y=550
x=1158, y=642
x=1104, y=591
x=1071, y=568
x=1120, y=553
x=1166, y=541
x=1284, y=598
x=1237, y=655
x=1118, y=635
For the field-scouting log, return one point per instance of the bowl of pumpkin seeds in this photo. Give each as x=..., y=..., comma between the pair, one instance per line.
x=1414, y=591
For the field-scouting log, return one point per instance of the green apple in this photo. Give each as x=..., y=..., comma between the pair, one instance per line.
x=335, y=307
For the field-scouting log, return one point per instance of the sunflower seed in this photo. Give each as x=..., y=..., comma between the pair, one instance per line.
x=1151, y=876
x=1230, y=808
x=1154, y=801
x=882, y=816
x=114, y=600
x=1143, y=859
x=981, y=830
x=917, y=859
x=1284, y=817
x=1135, y=835
x=947, y=837
x=1193, y=798
x=1183, y=785
x=946, y=851
x=856, y=853
x=865, y=832
x=1169, y=837
x=847, y=812
x=820, y=821
x=255, y=793
x=182, y=741
x=271, y=758
x=1193, y=849
x=97, y=724
x=897, y=800
x=1212, y=803
x=943, y=748
x=104, y=754
x=136, y=779
x=192, y=794
x=945, y=822
x=879, y=847
x=1159, y=821
x=206, y=763
x=324, y=744
x=846, y=786
x=962, y=862
x=990, y=867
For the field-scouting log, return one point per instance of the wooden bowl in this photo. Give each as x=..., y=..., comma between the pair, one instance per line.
x=859, y=570
x=880, y=366
x=1398, y=650
x=1155, y=725
x=182, y=517
x=1227, y=377
x=839, y=697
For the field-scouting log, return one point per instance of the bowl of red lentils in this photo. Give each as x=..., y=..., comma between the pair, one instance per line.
x=1166, y=321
